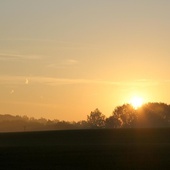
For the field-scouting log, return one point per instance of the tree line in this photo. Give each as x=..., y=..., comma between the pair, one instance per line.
x=150, y=115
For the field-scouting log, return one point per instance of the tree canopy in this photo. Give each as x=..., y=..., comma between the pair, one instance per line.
x=96, y=119
x=150, y=115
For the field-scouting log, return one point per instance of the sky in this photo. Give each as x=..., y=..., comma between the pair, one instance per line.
x=62, y=59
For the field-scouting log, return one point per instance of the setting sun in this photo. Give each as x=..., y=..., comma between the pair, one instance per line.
x=136, y=102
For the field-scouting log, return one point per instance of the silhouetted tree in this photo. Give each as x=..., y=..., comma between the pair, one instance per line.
x=96, y=119
x=124, y=116
x=113, y=122
x=82, y=124
x=154, y=115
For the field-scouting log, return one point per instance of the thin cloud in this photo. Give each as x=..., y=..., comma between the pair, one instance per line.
x=48, y=80
x=11, y=80
x=64, y=64
x=8, y=57
x=60, y=45
x=52, y=81
x=142, y=83
x=71, y=62
x=56, y=66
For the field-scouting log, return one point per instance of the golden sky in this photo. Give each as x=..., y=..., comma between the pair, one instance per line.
x=62, y=59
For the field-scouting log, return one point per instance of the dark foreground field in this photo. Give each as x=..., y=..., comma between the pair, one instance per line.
x=86, y=149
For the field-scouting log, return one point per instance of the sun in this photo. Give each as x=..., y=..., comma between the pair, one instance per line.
x=136, y=102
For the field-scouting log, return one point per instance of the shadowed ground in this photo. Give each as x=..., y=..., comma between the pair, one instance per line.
x=86, y=149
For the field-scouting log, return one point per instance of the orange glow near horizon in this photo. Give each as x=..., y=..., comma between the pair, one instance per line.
x=65, y=66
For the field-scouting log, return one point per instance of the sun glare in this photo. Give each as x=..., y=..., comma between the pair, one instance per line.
x=136, y=102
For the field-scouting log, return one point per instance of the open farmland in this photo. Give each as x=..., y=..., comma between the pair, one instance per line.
x=86, y=149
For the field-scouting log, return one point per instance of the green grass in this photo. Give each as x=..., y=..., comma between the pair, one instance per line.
x=86, y=149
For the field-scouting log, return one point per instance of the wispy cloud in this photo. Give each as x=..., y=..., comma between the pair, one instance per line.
x=60, y=45
x=52, y=81
x=11, y=80
x=11, y=56
x=142, y=83
x=63, y=64
x=71, y=62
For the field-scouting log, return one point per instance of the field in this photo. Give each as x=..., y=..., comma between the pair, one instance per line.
x=86, y=149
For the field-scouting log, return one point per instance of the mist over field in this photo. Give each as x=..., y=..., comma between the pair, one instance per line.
x=150, y=115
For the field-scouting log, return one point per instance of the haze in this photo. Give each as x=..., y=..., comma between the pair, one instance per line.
x=60, y=59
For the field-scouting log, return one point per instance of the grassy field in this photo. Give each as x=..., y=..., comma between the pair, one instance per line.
x=86, y=149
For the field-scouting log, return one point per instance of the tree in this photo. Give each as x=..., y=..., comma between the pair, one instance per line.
x=125, y=116
x=96, y=119
x=154, y=115
x=113, y=122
